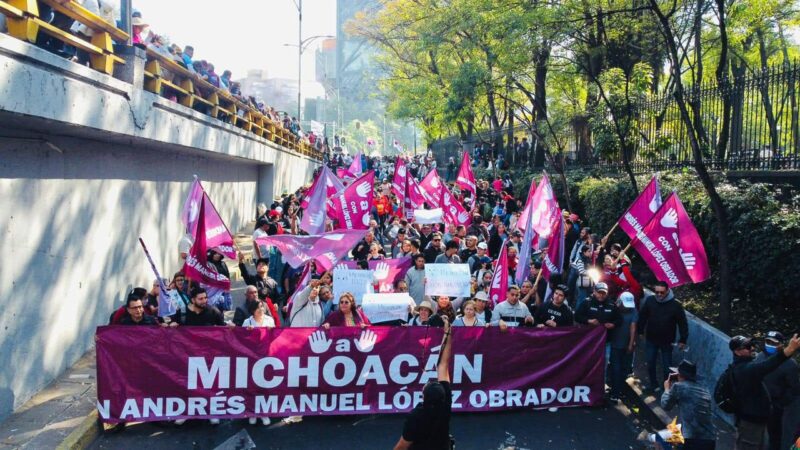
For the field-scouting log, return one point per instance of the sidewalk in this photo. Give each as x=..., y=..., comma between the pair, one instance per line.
x=650, y=404
x=49, y=418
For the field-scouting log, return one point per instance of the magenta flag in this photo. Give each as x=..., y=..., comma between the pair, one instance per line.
x=526, y=246
x=466, y=179
x=333, y=185
x=523, y=220
x=218, y=236
x=454, y=211
x=544, y=208
x=235, y=373
x=388, y=271
x=313, y=221
x=341, y=172
x=553, y=261
x=355, y=170
x=642, y=209
x=399, y=179
x=191, y=207
x=352, y=207
x=499, y=286
x=326, y=249
x=415, y=193
x=431, y=187
x=197, y=266
x=671, y=246
x=305, y=278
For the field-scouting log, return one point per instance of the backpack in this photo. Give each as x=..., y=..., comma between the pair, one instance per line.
x=725, y=391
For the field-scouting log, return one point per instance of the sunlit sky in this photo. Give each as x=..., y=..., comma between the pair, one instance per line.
x=243, y=34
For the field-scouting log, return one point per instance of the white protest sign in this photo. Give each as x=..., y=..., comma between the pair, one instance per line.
x=447, y=279
x=423, y=216
x=381, y=308
x=356, y=282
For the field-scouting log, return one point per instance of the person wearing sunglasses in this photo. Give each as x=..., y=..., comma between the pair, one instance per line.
x=347, y=315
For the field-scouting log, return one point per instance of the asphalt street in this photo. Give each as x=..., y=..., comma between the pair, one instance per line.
x=568, y=428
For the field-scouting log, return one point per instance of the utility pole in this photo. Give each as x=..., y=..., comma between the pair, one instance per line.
x=299, y=56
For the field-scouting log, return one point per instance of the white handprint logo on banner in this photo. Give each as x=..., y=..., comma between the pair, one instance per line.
x=655, y=202
x=194, y=211
x=670, y=219
x=366, y=342
x=319, y=342
x=363, y=189
x=381, y=271
x=462, y=216
x=435, y=182
x=401, y=171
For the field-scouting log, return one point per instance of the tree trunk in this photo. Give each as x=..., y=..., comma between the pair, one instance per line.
x=717, y=205
x=724, y=87
x=763, y=86
x=541, y=61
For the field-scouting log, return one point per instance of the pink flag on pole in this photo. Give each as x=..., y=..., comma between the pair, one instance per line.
x=191, y=207
x=454, y=211
x=197, y=266
x=313, y=221
x=431, y=187
x=642, y=209
x=553, y=261
x=388, y=271
x=465, y=178
x=355, y=170
x=217, y=234
x=415, y=193
x=499, y=286
x=399, y=179
x=305, y=278
x=529, y=239
x=352, y=207
x=333, y=185
x=522, y=221
x=326, y=249
x=544, y=208
x=671, y=246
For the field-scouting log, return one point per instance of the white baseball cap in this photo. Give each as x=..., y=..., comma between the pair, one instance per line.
x=627, y=300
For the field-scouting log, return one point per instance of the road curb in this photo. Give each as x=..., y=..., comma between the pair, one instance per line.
x=83, y=435
x=648, y=404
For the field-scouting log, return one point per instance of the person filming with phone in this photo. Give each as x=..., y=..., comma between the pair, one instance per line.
x=694, y=406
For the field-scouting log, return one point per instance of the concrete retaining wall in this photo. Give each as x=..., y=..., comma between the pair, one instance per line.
x=89, y=163
x=708, y=348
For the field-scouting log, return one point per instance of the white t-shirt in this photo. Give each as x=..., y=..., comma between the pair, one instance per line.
x=269, y=322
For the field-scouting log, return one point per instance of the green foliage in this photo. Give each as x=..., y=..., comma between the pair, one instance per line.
x=764, y=231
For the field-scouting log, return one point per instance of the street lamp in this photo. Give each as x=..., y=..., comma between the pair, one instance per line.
x=302, y=44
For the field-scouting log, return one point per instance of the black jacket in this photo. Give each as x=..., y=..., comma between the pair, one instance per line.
x=658, y=320
x=561, y=315
x=752, y=399
x=604, y=312
x=783, y=384
x=267, y=287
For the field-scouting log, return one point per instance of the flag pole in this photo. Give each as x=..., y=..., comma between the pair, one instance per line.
x=608, y=235
x=538, y=277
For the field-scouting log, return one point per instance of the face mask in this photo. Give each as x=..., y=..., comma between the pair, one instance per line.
x=770, y=349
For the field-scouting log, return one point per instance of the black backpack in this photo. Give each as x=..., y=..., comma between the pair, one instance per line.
x=725, y=391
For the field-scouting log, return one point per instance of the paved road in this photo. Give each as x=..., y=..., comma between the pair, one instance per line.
x=612, y=428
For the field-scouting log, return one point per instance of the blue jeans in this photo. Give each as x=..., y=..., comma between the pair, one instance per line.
x=620, y=366
x=651, y=351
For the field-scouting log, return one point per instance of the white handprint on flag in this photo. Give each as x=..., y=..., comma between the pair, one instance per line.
x=381, y=271
x=363, y=189
x=670, y=219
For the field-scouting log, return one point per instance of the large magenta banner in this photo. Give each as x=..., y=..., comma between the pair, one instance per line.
x=154, y=373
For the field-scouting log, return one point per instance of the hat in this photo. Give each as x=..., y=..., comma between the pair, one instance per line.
x=601, y=287
x=686, y=369
x=262, y=260
x=425, y=304
x=274, y=213
x=776, y=336
x=627, y=300
x=483, y=245
x=139, y=22
x=738, y=342
x=279, y=209
x=482, y=296
x=261, y=222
